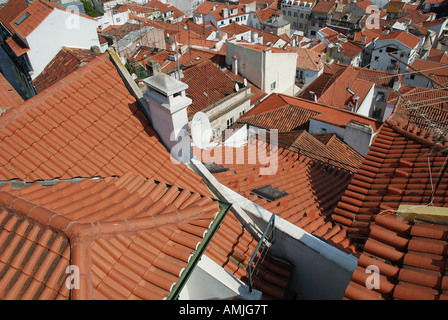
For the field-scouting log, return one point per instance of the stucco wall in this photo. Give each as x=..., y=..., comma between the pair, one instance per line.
x=59, y=29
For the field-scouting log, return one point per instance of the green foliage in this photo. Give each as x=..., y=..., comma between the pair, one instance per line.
x=90, y=10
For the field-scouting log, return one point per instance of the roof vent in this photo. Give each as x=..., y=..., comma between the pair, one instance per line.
x=215, y=168
x=269, y=193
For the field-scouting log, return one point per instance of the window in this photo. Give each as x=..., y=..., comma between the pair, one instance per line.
x=273, y=85
x=300, y=25
x=380, y=96
x=284, y=12
x=412, y=76
x=21, y=19
x=229, y=122
x=295, y=14
x=294, y=24
x=390, y=49
x=301, y=16
x=289, y=13
x=242, y=113
x=216, y=133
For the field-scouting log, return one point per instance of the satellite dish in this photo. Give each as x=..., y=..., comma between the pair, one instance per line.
x=201, y=131
x=237, y=87
x=245, y=82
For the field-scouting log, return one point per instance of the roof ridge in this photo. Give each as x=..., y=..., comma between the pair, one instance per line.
x=81, y=231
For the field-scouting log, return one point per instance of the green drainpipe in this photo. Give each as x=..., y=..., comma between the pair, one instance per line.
x=224, y=208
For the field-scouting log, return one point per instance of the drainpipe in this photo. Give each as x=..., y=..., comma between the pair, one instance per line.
x=224, y=209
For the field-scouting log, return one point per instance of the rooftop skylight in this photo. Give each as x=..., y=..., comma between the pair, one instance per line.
x=21, y=19
x=269, y=193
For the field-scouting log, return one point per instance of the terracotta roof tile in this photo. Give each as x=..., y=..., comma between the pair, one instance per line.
x=37, y=12
x=406, y=38
x=270, y=114
x=207, y=85
x=133, y=252
x=324, y=6
x=66, y=61
x=72, y=130
x=340, y=80
x=205, y=7
x=307, y=59
x=10, y=11
x=327, y=148
x=310, y=186
x=8, y=95
x=395, y=171
x=420, y=260
x=17, y=46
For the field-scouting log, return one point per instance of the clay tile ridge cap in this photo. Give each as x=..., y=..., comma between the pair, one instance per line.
x=85, y=232
x=415, y=136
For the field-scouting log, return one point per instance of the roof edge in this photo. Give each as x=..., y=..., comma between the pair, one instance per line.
x=419, y=136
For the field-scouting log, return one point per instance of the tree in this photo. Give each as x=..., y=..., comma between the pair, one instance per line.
x=90, y=10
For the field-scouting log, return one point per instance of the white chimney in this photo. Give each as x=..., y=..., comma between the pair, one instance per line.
x=168, y=111
x=225, y=12
x=235, y=64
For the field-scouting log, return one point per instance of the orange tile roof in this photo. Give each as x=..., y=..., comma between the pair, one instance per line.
x=205, y=7
x=207, y=85
x=86, y=125
x=325, y=147
x=411, y=257
x=8, y=95
x=284, y=119
x=131, y=238
x=308, y=59
x=339, y=80
x=364, y=4
x=346, y=80
x=313, y=188
x=66, y=61
x=429, y=67
x=395, y=171
x=350, y=50
x=17, y=46
x=267, y=13
x=405, y=38
x=324, y=6
x=312, y=110
x=10, y=11
x=38, y=11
